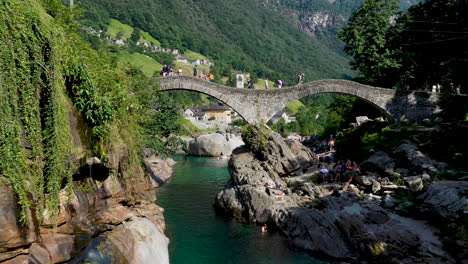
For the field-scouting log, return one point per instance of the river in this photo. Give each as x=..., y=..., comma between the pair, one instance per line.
x=198, y=235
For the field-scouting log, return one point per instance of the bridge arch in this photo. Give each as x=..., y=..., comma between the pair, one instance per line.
x=261, y=105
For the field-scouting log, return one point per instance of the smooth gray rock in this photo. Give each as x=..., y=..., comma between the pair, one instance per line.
x=135, y=242
x=362, y=119
x=380, y=163
x=445, y=200
x=418, y=161
x=213, y=145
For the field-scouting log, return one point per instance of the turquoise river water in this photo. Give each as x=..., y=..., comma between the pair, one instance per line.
x=198, y=235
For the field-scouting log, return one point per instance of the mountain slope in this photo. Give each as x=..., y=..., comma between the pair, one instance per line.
x=244, y=35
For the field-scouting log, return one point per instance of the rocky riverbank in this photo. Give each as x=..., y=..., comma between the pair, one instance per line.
x=106, y=207
x=370, y=221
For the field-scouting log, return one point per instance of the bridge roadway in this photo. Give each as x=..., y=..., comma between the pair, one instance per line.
x=260, y=105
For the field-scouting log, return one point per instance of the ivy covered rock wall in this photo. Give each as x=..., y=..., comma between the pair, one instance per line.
x=70, y=165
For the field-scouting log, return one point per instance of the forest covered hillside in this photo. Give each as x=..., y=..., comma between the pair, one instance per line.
x=274, y=39
x=243, y=35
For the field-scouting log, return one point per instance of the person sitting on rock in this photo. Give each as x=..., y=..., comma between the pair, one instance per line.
x=356, y=168
x=337, y=171
x=349, y=165
x=324, y=173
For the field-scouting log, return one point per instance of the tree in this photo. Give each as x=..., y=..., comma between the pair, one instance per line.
x=367, y=39
x=433, y=39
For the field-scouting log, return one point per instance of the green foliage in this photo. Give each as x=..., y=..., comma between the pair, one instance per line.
x=240, y=122
x=259, y=41
x=255, y=138
x=34, y=139
x=324, y=114
x=284, y=128
x=160, y=118
x=97, y=110
x=414, y=50
x=367, y=35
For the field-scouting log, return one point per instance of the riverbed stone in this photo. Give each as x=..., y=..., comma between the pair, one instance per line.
x=137, y=241
x=214, y=145
x=415, y=183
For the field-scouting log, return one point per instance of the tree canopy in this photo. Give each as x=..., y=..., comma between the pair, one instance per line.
x=411, y=50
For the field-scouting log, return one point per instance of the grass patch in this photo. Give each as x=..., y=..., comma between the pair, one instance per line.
x=191, y=55
x=260, y=84
x=293, y=107
x=187, y=69
x=115, y=27
x=146, y=64
x=146, y=37
x=190, y=129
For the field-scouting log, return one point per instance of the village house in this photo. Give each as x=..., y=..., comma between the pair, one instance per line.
x=200, y=62
x=282, y=114
x=218, y=112
x=182, y=59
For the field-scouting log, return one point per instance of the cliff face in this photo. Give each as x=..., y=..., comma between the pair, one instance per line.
x=112, y=204
x=322, y=19
x=70, y=165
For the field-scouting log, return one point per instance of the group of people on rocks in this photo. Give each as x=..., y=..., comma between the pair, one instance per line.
x=341, y=171
x=437, y=88
x=319, y=145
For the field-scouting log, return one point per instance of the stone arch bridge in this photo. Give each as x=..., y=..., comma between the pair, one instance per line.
x=260, y=105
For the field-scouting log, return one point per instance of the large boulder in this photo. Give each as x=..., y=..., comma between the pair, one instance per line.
x=415, y=183
x=362, y=119
x=412, y=158
x=138, y=241
x=213, y=145
x=380, y=163
x=446, y=200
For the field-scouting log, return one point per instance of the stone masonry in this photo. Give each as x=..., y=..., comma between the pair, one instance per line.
x=260, y=105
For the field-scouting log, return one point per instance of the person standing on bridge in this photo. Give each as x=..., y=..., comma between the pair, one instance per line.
x=266, y=84
x=300, y=78
x=250, y=84
x=280, y=83
x=195, y=71
x=180, y=71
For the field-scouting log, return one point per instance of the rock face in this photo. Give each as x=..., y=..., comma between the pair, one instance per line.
x=98, y=204
x=342, y=225
x=213, y=145
x=379, y=163
x=446, y=200
x=159, y=170
x=134, y=242
x=417, y=161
